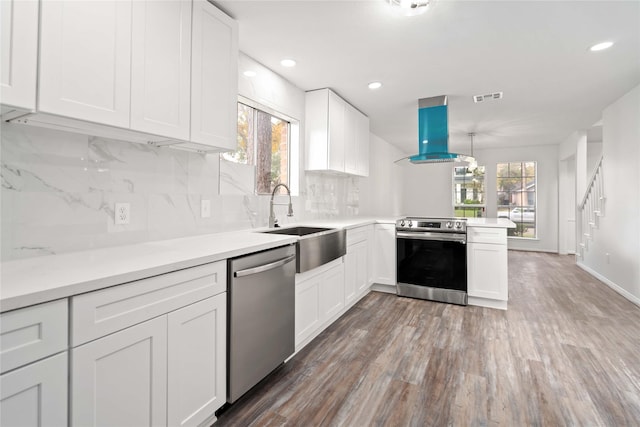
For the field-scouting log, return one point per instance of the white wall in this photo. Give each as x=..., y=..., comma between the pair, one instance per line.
x=618, y=233
x=379, y=193
x=594, y=152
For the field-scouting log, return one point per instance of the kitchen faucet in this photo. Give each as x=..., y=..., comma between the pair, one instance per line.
x=272, y=215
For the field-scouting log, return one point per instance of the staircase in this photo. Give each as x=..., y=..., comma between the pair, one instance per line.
x=591, y=209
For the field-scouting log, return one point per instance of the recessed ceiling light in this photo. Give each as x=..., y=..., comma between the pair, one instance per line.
x=249, y=73
x=288, y=63
x=409, y=7
x=375, y=85
x=601, y=46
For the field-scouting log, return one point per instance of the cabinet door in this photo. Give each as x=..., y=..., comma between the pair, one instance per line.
x=18, y=53
x=350, y=274
x=362, y=141
x=36, y=394
x=351, y=139
x=214, y=78
x=197, y=361
x=487, y=271
x=161, y=67
x=85, y=60
x=362, y=267
x=337, y=111
x=332, y=292
x=385, y=254
x=307, y=308
x=121, y=379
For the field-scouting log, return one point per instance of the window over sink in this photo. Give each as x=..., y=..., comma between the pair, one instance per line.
x=263, y=146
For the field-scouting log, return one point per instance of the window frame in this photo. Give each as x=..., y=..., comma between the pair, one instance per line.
x=292, y=143
x=523, y=207
x=482, y=207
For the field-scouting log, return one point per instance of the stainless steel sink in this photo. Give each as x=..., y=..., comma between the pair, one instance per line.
x=316, y=246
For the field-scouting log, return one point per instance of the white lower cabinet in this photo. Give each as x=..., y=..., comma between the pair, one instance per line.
x=36, y=394
x=319, y=299
x=197, y=361
x=121, y=379
x=384, y=257
x=356, y=261
x=151, y=352
x=487, y=269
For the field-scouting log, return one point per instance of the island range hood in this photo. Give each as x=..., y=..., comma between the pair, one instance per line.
x=433, y=133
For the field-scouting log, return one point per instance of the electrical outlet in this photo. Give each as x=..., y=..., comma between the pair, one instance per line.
x=122, y=213
x=205, y=208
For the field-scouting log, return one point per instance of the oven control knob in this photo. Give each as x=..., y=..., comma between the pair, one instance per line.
x=458, y=224
x=410, y=223
x=402, y=223
x=449, y=224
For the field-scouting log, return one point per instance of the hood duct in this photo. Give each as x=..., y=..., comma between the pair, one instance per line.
x=433, y=133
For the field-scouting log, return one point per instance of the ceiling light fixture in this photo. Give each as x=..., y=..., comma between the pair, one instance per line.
x=375, y=85
x=410, y=7
x=288, y=63
x=601, y=46
x=249, y=73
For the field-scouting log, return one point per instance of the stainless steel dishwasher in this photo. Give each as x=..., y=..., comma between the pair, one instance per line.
x=261, y=316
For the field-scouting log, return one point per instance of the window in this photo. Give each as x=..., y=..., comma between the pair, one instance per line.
x=516, y=185
x=263, y=142
x=468, y=191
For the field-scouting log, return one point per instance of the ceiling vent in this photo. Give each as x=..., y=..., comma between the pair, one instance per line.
x=487, y=97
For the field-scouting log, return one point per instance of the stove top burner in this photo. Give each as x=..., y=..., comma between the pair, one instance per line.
x=442, y=225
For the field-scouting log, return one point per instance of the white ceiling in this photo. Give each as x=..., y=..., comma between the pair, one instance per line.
x=536, y=52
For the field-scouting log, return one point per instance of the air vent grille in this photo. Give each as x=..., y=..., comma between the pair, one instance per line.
x=487, y=97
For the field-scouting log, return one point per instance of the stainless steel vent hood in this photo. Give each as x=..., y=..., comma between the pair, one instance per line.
x=433, y=133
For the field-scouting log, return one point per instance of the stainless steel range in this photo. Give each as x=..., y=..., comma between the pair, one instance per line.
x=431, y=259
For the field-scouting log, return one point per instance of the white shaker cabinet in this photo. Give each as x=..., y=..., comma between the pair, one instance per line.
x=33, y=361
x=385, y=254
x=336, y=134
x=356, y=261
x=121, y=379
x=85, y=60
x=36, y=394
x=214, y=77
x=487, y=270
x=319, y=300
x=197, y=361
x=161, y=67
x=18, y=53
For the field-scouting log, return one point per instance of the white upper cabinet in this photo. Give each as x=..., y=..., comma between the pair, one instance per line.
x=161, y=67
x=214, y=77
x=85, y=60
x=19, y=53
x=337, y=134
x=149, y=71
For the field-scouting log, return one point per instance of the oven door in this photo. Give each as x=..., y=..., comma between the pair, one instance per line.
x=432, y=260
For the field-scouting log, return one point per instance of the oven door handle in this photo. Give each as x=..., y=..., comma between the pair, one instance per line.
x=441, y=237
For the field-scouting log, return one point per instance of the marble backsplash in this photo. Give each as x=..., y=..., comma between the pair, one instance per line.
x=59, y=191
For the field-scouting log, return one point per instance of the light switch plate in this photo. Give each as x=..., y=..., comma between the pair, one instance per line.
x=205, y=208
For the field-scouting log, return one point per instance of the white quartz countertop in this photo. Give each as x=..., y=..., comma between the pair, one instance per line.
x=36, y=280
x=490, y=222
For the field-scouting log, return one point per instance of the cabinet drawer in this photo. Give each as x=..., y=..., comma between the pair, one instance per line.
x=487, y=235
x=356, y=235
x=99, y=313
x=32, y=333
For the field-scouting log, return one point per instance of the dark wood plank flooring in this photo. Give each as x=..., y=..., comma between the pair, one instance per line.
x=566, y=352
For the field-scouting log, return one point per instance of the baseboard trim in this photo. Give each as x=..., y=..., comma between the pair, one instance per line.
x=390, y=289
x=488, y=303
x=625, y=293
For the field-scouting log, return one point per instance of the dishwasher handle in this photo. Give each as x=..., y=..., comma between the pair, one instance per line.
x=265, y=267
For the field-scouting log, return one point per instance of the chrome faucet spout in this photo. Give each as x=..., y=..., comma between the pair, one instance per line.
x=272, y=215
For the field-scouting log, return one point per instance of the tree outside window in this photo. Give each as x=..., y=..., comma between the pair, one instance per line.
x=263, y=142
x=516, y=187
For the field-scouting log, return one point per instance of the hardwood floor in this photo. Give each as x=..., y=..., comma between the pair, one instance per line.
x=566, y=352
